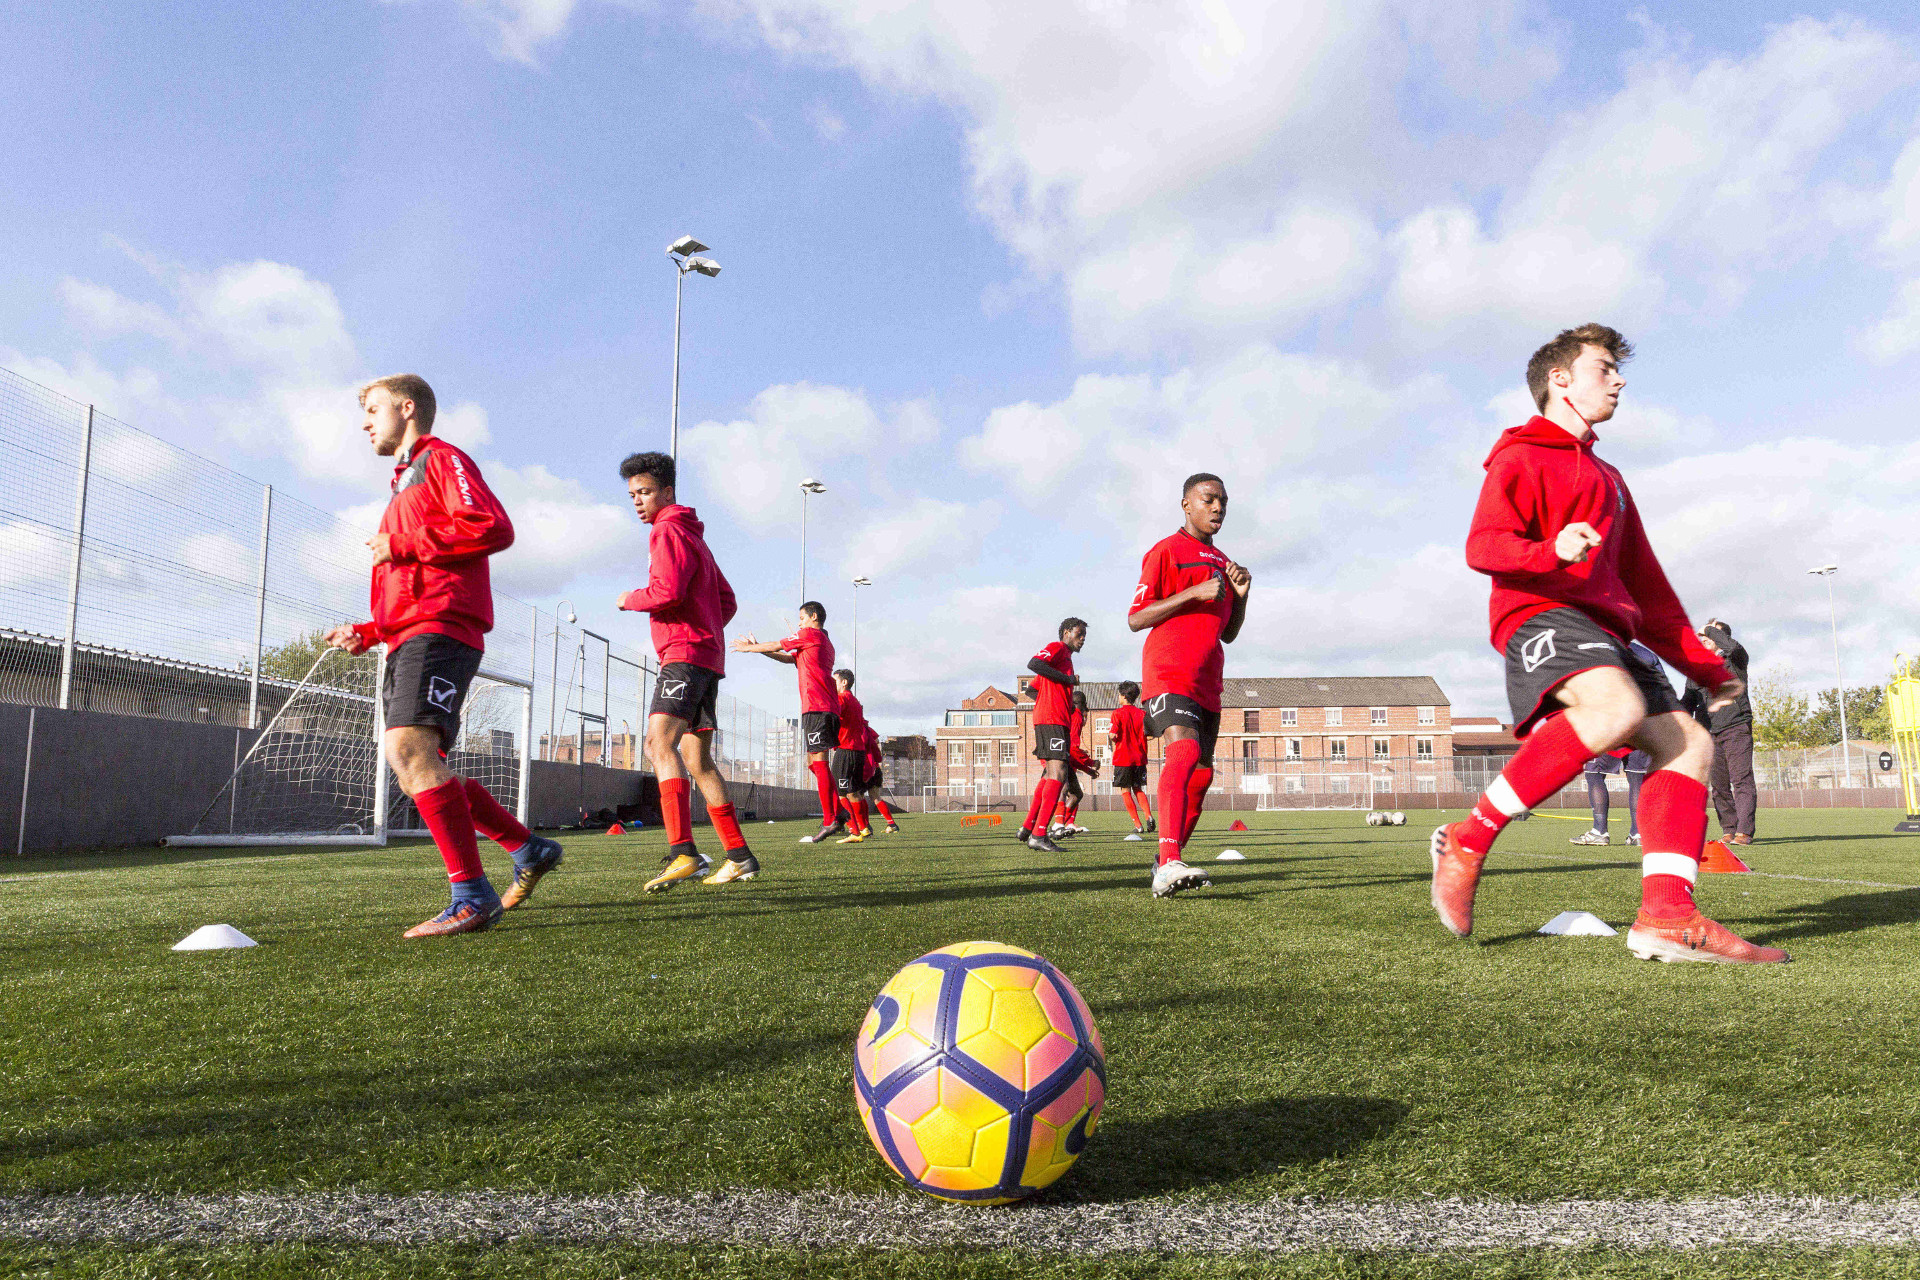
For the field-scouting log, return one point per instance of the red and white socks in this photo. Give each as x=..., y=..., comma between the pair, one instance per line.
x=1551, y=757
x=1673, y=834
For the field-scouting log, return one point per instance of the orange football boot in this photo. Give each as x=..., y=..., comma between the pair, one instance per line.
x=461, y=917
x=1456, y=874
x=1698, y=940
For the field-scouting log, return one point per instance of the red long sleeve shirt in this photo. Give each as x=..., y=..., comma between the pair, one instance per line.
x=1540, y=479
x=442, y=523
x=1076, y=728
x=853, y=723
x=689, y=598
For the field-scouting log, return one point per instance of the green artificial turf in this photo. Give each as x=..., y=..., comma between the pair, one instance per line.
x=1304, y=1028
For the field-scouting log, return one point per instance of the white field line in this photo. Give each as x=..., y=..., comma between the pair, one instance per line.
x=818, y=1221
x=1771, y=875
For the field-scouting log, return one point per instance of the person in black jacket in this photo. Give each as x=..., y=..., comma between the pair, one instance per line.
x=1734, y=795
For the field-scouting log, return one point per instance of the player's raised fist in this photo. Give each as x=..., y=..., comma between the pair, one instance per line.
x=1575, y=541
x=1239, y=577
x=382, y=546
x=1210, y=589
x=344, y=637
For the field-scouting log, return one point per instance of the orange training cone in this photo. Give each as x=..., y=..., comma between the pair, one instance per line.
x=1237, y=825
x=1717, y=859
x=616, y=830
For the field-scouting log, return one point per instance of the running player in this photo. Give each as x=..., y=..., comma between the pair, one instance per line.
x=432, y=608
x=1054, y=680
x=1192, y=599
x=1127, y=732
x=1066, y=817
x=1574, y=580
x=690, y=603
x=877, y=781
x=850, y=759
x=810, y=651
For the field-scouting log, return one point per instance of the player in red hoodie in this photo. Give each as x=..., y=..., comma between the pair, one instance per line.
x=690, y=603
x=1127, y=732
x=809, y=650
x=850, y=758
x=1054, y=680
x=877, y=781
x=432, y=608
x=1574, y=581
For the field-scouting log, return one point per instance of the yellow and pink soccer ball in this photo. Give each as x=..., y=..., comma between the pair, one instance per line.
x=979, y=1073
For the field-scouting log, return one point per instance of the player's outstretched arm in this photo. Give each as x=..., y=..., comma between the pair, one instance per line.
x=747, y=644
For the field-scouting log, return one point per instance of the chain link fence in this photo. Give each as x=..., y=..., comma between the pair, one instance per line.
x=138, y=578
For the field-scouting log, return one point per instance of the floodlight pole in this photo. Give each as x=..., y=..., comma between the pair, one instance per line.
x=806, y=487
x=1839, y=681
x=857, y=584
x=673, y=430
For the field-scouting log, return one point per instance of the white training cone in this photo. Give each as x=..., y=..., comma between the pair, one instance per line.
x=1231, y=855
x=214, y=937
x=1578, y=924
x=1134, y=836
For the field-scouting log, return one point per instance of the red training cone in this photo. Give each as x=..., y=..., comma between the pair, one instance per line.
x=616, y=830
x=1237, y=825
x=1717, y=859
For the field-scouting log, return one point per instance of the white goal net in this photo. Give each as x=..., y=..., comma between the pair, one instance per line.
x=315, y=775
x=955, y=797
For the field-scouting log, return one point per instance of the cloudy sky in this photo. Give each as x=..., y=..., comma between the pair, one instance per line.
x=1000, y=275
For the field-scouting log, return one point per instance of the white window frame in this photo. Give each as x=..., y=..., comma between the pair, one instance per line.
x=1289, y=717
x=1383, y=748
x=956, y=753
x=1423, y=748
x=1425, y=715
x=1336, y=748
x=1293, y=749
x=1009, y=752
x=1335, y=717
x=982, y=752
x=1376, y=715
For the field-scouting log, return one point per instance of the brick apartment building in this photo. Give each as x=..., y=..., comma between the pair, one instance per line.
x=1276, y=734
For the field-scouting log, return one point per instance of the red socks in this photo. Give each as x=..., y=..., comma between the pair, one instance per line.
x=491, y=819
x=886, y=814
x=1673, y=833
x=727, y=827
x=829, y=801
x=1197, y=783
x=1176, y=773
x=1551, y=757
x=858, y=808
x=1045, y=797
x=1133, y=810
x=448, y=816
x=676, y=810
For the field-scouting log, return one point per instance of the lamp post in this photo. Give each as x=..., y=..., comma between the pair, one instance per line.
x=857, y=584
x=807, y=486
x=1839, y=683
x=683, y=253
x=553, y=671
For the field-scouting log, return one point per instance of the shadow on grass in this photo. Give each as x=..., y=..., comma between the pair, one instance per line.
x=1848, y=913
x=1215, y=1145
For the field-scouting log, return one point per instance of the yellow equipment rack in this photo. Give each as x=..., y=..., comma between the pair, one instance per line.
x=1903, y=707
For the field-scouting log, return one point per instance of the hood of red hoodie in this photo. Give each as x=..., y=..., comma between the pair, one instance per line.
x=679, y=515
x=1544, y=432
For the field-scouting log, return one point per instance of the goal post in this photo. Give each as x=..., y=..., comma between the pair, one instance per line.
x=953, y=797
x=494, y=749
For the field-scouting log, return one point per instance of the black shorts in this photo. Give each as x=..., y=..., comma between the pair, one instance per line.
x=1129, y=777
x=1635, y=761
x=1071, y=787
x=688, y=693
x=820, y=730
x=876, y=778
x=1050, y=742
x=1551, y=647
x=426, y=684
x=849, y=770
x=1168, y=709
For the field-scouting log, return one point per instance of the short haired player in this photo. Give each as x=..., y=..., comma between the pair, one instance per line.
x=1053, y=682
x=876, y=781
x=1066, y=818
x=1574, y=582
x=1127, y=734
x=809, y=650
x=432, y=607
x=1192, y=599
x=850, y=759
x=689, y=603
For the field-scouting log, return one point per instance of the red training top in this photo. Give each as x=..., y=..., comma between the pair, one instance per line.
x=1076, y=728
x=873, y=748
x=1183, y=653
x=442, y=523
x=853, y=723
x=1051, y=698
x=686, y=593
x=1540, y=479
x=812, y=650
x=1129, y=726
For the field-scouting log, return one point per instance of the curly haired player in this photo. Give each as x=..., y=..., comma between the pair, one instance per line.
x=432, y=608
x=1127, y=732
x=1053, y=682
x=1574, y=582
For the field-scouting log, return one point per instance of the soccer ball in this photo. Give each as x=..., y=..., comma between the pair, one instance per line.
x=1375, y=819
x=1399, y=819
x=979, y=1073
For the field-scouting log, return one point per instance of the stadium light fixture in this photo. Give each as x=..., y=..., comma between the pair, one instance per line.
x=807, y=486
x=862, y=581
x=1839, y=683
x=683, y=253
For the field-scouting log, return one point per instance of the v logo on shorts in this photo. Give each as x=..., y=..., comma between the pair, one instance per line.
x=1538, y=650
x=1056, y=744
x=441, y=692
x=673, y=688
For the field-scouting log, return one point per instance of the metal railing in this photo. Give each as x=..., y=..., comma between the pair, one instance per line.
x=140, y=579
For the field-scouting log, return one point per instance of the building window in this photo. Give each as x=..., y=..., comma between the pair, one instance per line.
x=1003, y=717
x=957, y=754
x=1423, y=748
x=1426, y=715
x=1296, y=784
x=1007, y=750
x=1336, y=748
x=1250, y=722
x=1428, y=784
x=1100, y=725
x=1337, y=785
x=983, y=753
x=1377, y=715
x=1249, y=755
x=1333, y=717
x=1009, y=786
x=1293, y=748
x=1289, y=716
x=1381, y=748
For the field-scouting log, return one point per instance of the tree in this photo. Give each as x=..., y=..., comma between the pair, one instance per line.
x=292, y=660
x=1781, y=717
x=1867, y=716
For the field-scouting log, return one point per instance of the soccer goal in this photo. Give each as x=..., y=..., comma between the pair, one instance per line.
x=316, y=775
x=953, y=797
x=1292, y=791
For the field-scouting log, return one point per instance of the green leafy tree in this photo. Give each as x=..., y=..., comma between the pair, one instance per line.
x=1781, y=716
x=1867, y=716
x=293, y=659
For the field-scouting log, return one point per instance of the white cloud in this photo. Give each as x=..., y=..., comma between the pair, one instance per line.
x=1897, y=334
x=517, y=29
x=925, y=532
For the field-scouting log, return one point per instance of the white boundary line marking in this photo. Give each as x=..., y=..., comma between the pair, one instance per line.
x=1771, y=875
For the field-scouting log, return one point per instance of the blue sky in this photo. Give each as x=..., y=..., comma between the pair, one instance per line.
x=1001, y=275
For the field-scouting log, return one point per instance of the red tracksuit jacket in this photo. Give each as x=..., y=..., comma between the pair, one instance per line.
x=443, y=522
x=689, y=598
x=1539, y=480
